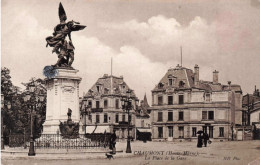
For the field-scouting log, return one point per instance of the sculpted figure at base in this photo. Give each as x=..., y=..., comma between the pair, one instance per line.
x=63, y=48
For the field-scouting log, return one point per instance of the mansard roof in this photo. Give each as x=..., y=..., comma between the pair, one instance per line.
x=187, y=77
x=108, y=82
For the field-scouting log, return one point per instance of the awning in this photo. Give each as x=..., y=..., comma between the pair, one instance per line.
x=99, y=129
x=144, y=130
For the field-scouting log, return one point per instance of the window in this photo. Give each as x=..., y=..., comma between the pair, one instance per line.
x=170, y=116
x=105, y=103
x=105, y=118
x=170, y=128
x=142, y=123
x=130, y=118
x=117, y=118
x=170, y=82
x=160, y=132
x=123, y=117
x=194, y=131
x=221, y=131
x=210, y=131
x=117, y=104
x=181, y=84
x=160, y=117
x=211, y=115
x=181, y=99
x=97, y=118
x=181, y=132
x=90, y=103
x=97, y=104
x=90, y=118
x=98, y=88
x=160, y=100
x=160, y=85
x=208, y=97
x=204, y=115
x=170, y=100
x=181, y=115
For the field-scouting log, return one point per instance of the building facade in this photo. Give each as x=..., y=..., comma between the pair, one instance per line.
x=104, y=109
x=143, y=122
x=182, y=104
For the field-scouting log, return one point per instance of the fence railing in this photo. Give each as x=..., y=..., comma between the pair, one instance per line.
x=56, y=141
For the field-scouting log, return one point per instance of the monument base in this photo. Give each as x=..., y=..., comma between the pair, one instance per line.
x=62, y=94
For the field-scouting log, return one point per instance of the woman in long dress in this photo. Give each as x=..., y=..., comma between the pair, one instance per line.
x=199, y=144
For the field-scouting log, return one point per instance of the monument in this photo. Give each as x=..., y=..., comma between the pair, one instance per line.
x=62, y=81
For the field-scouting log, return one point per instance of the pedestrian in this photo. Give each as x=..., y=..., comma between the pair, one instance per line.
x=199, y=144
x=112, y=145
x=205, y=138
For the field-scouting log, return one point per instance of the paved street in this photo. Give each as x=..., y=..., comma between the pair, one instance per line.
x=158, y=153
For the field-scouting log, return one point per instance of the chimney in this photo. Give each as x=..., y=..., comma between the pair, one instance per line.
x=215, y=77
x=196, y=75
x=229, y=85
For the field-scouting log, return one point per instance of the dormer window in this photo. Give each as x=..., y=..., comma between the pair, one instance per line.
x=98, y=88
x=207, y=97
x=170, y=81
x=160, y=85
x=181, y=84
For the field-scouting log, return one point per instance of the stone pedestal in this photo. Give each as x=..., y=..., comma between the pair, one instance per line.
x=62, y=93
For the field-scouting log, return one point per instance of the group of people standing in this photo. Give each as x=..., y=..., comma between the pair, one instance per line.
x=202, y=138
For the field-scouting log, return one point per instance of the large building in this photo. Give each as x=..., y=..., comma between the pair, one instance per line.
x=105, y=113
x=182, y=104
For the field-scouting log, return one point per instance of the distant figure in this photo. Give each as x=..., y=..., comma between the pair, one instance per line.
x=112, y=145
x=205, y=138
x=199, y=144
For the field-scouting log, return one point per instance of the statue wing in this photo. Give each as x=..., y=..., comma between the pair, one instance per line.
x=77, y=27
x=62, y=14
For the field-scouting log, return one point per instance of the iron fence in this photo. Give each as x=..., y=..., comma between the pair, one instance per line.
x=56, y=141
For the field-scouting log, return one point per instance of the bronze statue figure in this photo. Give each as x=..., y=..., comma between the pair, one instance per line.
x=63, y=48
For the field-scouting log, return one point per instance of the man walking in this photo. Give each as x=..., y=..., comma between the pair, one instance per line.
x=206, y=138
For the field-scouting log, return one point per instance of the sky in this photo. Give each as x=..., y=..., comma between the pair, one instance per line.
x=142, y=37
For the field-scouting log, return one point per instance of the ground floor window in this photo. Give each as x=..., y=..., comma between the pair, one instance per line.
x=194, y=131
x=170, y=128
x=160, y=132
x=210, y=131
x=181, y=132
x=221, y=131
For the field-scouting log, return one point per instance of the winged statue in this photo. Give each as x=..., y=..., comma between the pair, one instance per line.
x=63, y=48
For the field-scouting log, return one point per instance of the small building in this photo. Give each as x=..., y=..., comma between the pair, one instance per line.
x=182, y=104
x=105, y=112
x=142, y=121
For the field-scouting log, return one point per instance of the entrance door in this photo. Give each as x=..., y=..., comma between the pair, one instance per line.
x=170, y=133
x=181, y=132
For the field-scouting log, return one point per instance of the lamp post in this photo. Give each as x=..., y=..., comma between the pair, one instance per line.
x=127, y=105
x=85, y=112
x=32, y=100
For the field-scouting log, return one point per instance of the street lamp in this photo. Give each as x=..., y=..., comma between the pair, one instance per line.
x=127, y=105
x=31, y=99
x=85, y=112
